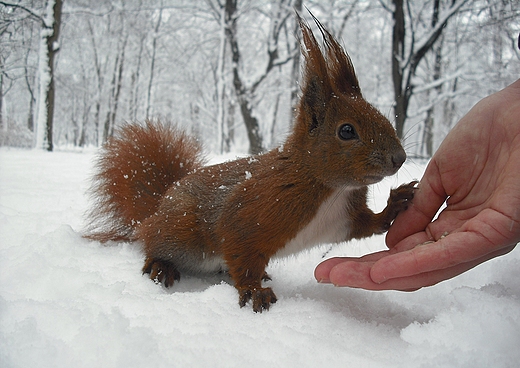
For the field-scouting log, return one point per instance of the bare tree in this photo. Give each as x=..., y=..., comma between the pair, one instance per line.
x=134, y=88
x=29, y=81
x=115, y=89
x=407, y=53
x=50, y=22
x=245, y=92
x=226, y=69
x=427, y=140
x=152, y=62
x=99, y=81
x=2, y=74
x=49, y=47
x=295, y=71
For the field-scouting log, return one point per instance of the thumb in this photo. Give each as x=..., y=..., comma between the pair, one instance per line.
x=428, y=198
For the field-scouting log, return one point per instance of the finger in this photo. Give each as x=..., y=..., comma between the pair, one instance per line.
x=434, y=277
x=353, y=273
x=456, y=248
x=428, y=198
x=322, y=271
x=356, y=274
x=411, y=242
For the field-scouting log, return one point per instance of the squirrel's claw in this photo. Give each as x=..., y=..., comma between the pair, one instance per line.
x=262, y=298
x=398, y=201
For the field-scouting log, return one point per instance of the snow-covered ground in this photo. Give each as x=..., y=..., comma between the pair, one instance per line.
x=68, y=302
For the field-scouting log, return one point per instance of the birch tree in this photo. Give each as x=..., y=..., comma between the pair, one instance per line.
x=49, y=46
x=49, y=19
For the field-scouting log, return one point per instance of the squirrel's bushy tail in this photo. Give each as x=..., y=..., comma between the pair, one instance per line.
x=134, y=170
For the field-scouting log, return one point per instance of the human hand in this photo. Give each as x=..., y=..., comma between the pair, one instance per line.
x=476, y=171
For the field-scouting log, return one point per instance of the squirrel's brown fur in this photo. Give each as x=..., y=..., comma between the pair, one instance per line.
x=235, y=216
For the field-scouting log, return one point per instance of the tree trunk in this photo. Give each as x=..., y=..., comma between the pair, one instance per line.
x=99, y=76
x=50, y=33
x=32, y=100
x=405, y=63
x=230, y=120
x=398, y=39
x=106, y=124
x=450, y=108
x=221, y=84
x=1, y=99
x=245, y=94
x=84, y=122
x=29, y=82
x=273, y=123
x=295, y=71
x=119, y=81
x=152, y=64
x=427, y=142
x=250, y=121
x=30, y=114
x=134, y=90
x=108, y=128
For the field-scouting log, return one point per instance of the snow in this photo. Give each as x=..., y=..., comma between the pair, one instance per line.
x=69, y=302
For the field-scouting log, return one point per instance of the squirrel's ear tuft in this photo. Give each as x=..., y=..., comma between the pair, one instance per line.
x=327, y=71
x=339, y=65
x=316, y=85
x=315, y=64
x=333, y=65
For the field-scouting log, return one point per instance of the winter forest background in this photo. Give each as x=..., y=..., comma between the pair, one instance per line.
x=227, y=70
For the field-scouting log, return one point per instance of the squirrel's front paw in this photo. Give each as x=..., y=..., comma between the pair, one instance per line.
x=262, y=298
x=398, y=201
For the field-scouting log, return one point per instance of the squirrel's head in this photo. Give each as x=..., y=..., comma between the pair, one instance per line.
x=343, y=137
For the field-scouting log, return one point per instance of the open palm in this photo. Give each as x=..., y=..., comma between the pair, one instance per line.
x=476, y=173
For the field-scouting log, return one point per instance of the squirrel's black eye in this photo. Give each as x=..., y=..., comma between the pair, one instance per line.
x=347, y=132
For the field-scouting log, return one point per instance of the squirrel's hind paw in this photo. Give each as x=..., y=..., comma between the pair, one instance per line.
x=262, y=298
x=161, y=271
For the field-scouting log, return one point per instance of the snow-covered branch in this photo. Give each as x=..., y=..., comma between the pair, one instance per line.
x=438, y=82
x=429, y=39
x=438, y=99
x=31, y=12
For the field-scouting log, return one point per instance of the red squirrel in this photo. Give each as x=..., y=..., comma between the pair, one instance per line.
x=152, y=185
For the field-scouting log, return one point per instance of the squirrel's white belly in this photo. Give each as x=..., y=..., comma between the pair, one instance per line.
x=329, y=225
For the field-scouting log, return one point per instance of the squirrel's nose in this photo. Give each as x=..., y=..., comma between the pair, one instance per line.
x=398, y=158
